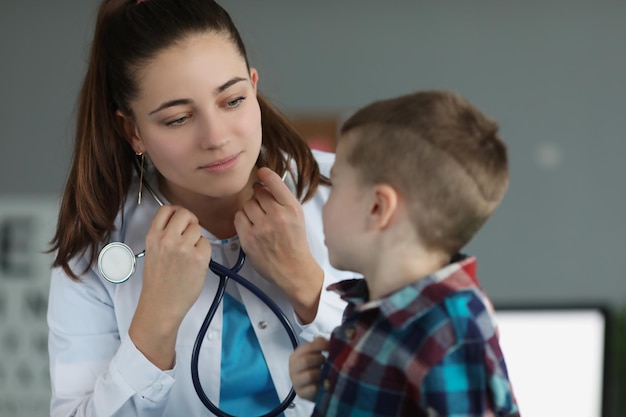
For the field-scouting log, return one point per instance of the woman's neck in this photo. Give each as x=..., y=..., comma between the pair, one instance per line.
x=216, y=215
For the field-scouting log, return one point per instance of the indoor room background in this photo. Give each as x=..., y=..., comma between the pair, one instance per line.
x=552, y=73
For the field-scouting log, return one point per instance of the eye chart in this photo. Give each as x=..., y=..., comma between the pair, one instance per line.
x=27, y=225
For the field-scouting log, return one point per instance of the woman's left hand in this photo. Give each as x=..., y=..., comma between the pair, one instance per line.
x=272, y=232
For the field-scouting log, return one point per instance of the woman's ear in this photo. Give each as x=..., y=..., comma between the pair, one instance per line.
x=383, y=206
x=130, y=132
x=254, y=78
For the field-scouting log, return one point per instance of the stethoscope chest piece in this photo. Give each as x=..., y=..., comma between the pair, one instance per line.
x=116, y=262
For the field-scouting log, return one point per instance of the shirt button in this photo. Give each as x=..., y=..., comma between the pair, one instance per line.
x=212, y=335
x=292, y=405
x=262, y=325
x=350, y=332
x=234, y=246
x=157, y=386
x=326, y=384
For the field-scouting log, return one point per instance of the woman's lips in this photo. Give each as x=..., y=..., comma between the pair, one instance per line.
x=223, y=165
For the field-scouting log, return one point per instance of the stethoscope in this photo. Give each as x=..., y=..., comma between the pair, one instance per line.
x=117, y=263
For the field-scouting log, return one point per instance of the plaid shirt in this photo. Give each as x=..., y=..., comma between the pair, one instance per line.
x=429, y=349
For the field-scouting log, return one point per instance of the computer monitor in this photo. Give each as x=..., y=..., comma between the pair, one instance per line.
x=556, y=357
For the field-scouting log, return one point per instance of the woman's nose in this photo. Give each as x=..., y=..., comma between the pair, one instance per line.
x=214, y=132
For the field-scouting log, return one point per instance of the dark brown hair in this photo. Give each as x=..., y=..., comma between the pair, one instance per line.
x=127, y=36
x=441, y=153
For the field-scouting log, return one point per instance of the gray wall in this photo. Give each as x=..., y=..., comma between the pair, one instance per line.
x=552, y=73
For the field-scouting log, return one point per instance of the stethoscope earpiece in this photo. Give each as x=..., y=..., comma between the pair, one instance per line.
x=117, y=262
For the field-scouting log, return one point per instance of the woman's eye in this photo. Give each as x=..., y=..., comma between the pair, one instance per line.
x=178, y=122
x=236, y=102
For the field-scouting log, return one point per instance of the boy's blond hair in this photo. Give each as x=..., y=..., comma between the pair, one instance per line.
x=442, y=155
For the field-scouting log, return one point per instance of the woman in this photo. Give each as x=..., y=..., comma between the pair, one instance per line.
x=169, y=113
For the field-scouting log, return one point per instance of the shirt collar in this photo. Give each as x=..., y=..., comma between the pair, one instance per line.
x=414, y=300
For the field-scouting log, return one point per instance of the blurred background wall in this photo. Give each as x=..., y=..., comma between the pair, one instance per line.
x=552, y=73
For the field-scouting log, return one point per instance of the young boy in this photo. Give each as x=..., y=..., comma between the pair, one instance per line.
x=415, y=178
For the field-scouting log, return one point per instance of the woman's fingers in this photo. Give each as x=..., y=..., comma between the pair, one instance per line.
x=176, y=262
x=253, y=211
x=276, y=187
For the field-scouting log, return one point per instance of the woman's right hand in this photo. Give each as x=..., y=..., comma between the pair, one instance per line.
x=175, y=267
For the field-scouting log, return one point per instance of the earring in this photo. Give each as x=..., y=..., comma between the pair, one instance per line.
x=140, y=177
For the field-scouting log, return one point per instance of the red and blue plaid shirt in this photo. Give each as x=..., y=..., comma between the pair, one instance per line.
x=429, y=349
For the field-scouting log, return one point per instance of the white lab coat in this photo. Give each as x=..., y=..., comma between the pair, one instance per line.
x=95, y=368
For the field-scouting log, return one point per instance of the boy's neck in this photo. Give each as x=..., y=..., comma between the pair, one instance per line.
x=400, y=266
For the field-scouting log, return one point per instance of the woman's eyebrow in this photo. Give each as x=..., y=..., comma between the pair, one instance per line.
x=170, y=103
x=184, y=101
x=228, y=84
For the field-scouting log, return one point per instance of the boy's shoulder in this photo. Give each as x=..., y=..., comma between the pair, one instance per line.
x=471, y=315
x=456, y=332
x=453, y=298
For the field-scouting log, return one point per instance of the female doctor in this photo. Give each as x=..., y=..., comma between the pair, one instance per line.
x=169, y=104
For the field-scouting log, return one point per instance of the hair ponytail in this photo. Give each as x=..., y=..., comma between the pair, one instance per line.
x=102, y=161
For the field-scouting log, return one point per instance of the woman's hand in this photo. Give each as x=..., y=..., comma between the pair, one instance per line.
x=305, y=367
x=175, y=266
x=272, y=232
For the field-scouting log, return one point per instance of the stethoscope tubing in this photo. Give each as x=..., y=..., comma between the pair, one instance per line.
x=224, y=274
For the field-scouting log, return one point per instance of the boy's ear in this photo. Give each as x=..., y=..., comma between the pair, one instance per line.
x=130, y=132
x=383, y=206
